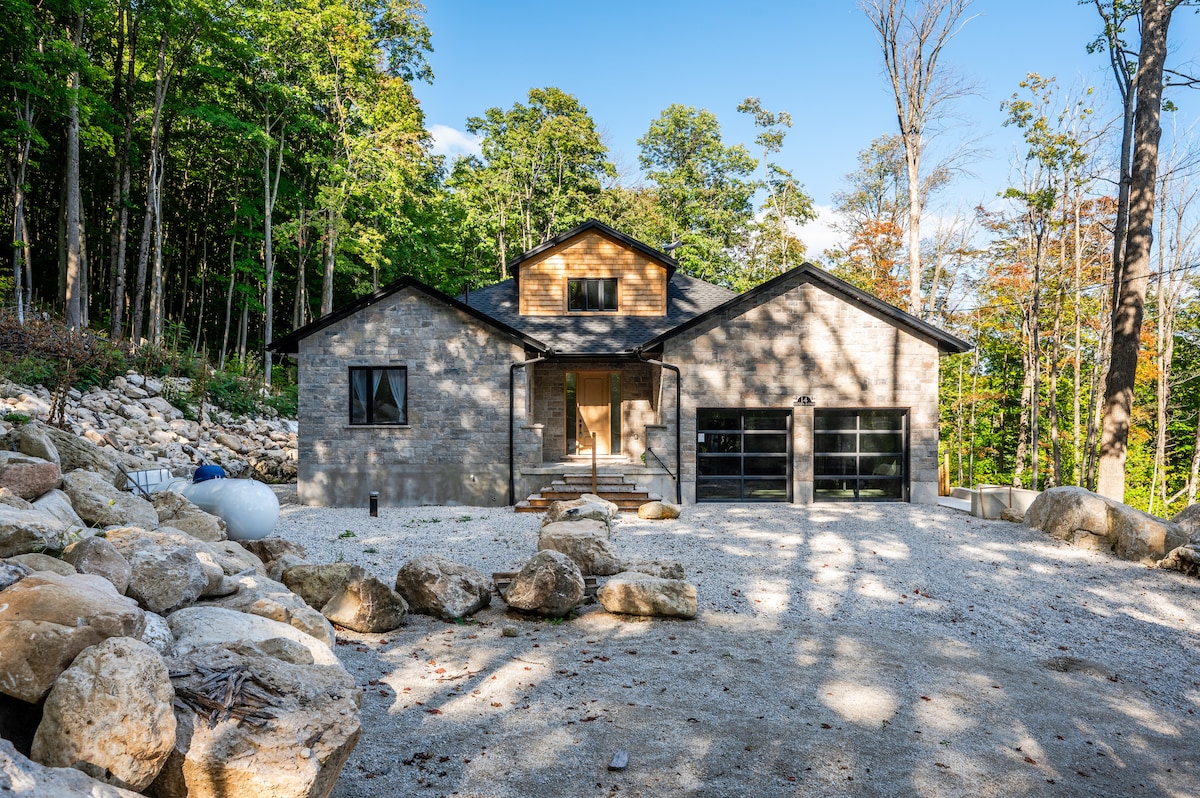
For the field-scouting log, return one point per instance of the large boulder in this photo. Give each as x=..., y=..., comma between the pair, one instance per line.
x=75, y=452
x=99, y=503
x=23, y=531
x=109, y=714
x=34, y=440
x=162, y=580
x=98, y=556
x=12, y=572
x=266, y=598
x=197, y=627
x=47, y=619
x=442, y=588
x=176, y=511
x=1189, y=521
x=550, y=585
x=287, y=732
x=13, y=500
x=658, y=511
x=24, y=778
x=663, y=569
x=58, y=504
x=366, y=605
x=317, y=584
x=1089, y=520
x=1185, y=559
x=44, y=562
x=270, y=549
x=26, y=476
x=586, y=542
x=594, y=508
x=632, y=593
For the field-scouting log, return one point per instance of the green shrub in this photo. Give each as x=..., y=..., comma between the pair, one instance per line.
x=233, y=394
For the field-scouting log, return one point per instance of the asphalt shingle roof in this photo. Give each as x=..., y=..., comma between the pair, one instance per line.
x=687, y=298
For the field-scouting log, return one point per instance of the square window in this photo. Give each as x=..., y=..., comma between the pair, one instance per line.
x=379, y=395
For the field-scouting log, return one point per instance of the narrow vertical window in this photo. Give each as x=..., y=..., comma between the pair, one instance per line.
x=379, y=395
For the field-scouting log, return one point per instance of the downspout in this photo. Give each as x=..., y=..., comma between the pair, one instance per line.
x=678, y=420
x=512, y=370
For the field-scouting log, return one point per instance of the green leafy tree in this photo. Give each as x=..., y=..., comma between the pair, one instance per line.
x=704, y=190
x=540, y=172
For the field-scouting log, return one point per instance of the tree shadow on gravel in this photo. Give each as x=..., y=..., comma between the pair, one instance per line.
x=850, y=650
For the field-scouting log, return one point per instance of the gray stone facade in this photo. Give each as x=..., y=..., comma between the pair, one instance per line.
x=801, y=340
x=454, y=448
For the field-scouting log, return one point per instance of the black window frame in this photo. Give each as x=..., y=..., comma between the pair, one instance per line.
x=369, y=407
x=605, y=286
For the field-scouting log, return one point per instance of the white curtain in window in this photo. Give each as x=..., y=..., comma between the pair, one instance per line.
x=396, y=379
x=358, y=387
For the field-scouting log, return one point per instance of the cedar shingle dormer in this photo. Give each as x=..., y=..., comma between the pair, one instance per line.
x=593, y=251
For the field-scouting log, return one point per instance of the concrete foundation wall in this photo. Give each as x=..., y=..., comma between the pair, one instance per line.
x=804, y=341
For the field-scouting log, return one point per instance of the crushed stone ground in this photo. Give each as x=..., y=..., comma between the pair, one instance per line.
x=858, y=650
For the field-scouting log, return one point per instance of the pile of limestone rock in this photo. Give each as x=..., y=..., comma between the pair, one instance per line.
x=1091, y=521
x=141, y=650
x=134, y=417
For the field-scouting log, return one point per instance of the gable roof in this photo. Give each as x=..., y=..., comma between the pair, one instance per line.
x=577, y=334
x=690, y=302
x=663, y=259
x=290, y=343
x=808, y=273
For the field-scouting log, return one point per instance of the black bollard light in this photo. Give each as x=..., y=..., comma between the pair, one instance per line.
x=374, y=504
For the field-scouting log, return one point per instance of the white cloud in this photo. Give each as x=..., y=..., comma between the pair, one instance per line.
x=819, y=235
x=451, y=142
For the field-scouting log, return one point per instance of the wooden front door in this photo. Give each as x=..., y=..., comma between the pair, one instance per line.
x=594, y=392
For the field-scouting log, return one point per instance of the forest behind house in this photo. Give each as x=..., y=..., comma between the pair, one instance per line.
x=196, y=178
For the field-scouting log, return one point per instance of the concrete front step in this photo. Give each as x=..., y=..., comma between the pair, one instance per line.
x=539, y=503
x=570, y=495
x=601, y=487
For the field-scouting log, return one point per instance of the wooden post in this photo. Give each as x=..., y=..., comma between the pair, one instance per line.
x=593, y=462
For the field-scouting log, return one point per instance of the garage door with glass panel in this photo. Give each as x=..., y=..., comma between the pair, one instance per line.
x=743, y=455
x=860, y=455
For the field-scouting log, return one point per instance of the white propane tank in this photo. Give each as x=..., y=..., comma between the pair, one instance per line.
x=248, y=507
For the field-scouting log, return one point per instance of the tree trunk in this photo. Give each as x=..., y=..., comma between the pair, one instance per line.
x=270, y=192
x=73, y=314
x=229, y=299
x=329, y=256
x=122, y=179
x=1130, y=288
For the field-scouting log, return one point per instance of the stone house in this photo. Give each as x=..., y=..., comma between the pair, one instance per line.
x=802, y=389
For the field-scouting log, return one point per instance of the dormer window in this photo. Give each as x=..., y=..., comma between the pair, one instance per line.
x=592, y=294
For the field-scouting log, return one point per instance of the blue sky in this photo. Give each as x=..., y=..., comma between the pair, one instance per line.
x=817, y=59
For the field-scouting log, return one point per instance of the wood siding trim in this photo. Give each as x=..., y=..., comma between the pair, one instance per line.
x=641, y=282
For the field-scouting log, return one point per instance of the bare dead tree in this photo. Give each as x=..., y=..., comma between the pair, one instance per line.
x=912, y=43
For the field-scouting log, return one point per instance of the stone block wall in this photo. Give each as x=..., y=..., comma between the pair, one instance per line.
x=804, y=340
x=454, y=448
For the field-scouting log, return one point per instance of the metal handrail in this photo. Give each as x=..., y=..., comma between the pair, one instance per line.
x=661, y=464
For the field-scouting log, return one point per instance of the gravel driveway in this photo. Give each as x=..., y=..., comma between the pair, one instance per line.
x=859, y=650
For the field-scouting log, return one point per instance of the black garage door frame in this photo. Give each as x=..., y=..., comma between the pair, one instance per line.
x=861, y=454
x=743, y=454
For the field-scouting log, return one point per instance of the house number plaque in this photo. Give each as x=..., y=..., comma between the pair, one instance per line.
x=804, y=400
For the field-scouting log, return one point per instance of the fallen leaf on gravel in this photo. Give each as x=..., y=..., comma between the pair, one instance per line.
x=434, y=711
x=826, y=726
x=926, y=698
x=939, y=764
x=1030, y=760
